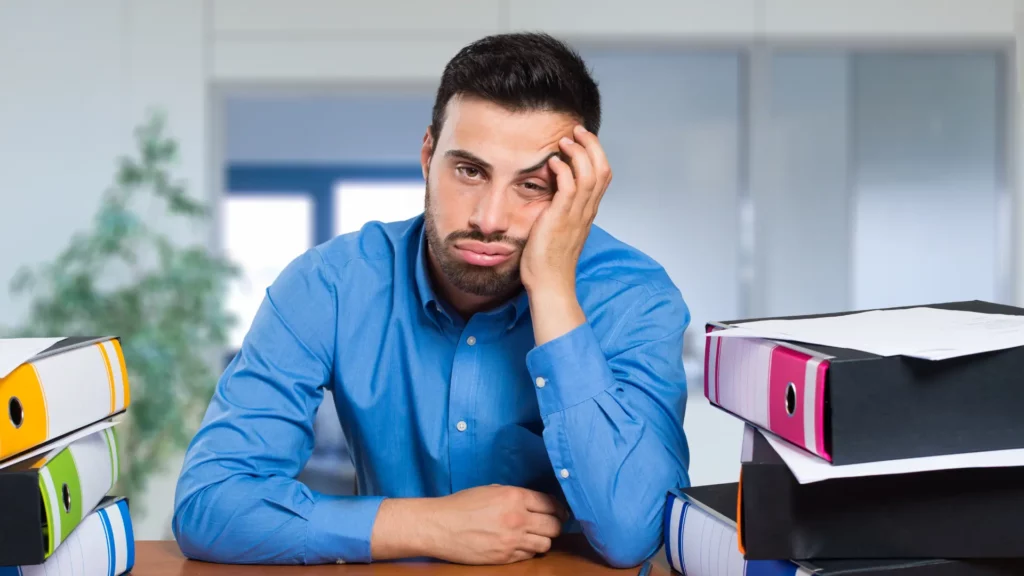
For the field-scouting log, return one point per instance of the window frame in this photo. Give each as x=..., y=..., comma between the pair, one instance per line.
x=317, y=181
x=314, y=181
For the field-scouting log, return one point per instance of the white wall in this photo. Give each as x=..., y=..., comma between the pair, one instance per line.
x=61, y=123
x=927, y=179
x=799, y=184
x=1018, y=181
x=345, y=127
x=321, y=40
x=77, y=77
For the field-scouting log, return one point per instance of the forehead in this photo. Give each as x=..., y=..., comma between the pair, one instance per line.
x=484, y=127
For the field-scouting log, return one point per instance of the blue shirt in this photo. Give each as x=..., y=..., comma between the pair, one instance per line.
x=431, y=404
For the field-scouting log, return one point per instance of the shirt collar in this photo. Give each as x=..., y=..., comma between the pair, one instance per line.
x=429, y=300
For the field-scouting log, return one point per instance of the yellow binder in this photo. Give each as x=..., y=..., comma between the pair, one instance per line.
x=51, y=387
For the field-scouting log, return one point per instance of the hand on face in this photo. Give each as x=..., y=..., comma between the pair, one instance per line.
x=557, y=237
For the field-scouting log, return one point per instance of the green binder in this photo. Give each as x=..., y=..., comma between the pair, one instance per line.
x=43, y=499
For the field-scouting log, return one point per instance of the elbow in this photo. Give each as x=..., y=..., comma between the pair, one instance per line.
x=192, y=546
x=199, y=539
x=191, y=535
x=626, y=544
x=625, y=536
x=201, y=524
x=195, y=546
x=629, y=552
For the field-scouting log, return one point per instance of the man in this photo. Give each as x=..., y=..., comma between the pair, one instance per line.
x=500, y=366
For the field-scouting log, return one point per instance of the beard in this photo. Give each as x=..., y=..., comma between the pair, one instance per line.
x=487, y=281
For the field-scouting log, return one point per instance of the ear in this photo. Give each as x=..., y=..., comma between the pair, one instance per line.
x=426, y=153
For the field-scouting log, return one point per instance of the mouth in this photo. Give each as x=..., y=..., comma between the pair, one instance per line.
x=482, y=254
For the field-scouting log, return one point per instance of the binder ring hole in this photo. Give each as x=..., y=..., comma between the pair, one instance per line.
x=15, y=412
x=66, y=495
x=790, y=399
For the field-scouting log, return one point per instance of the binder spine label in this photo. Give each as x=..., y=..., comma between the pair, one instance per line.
x=774, y=387
x=23, y=415
x=116, y=381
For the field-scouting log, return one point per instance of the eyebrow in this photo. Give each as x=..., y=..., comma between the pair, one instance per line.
x=469, y=156
x=540, y=164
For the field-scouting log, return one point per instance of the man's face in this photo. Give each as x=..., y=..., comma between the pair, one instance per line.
x=487, y=182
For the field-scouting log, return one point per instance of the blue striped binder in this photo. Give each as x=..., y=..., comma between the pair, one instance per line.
x=700, y=543
x=103, y=543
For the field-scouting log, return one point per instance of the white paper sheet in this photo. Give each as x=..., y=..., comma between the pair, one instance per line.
x=15, y=351
x=59, y=444
x=809, y=468
x=928, y=333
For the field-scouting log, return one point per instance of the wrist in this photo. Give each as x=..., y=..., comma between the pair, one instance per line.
x=553, y=290
x=403, y=529
x=555, y=312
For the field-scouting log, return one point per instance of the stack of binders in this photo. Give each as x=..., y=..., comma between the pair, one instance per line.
x=864, y=462
x=59, y=403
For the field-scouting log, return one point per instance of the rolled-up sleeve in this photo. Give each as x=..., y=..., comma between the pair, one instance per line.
x=237, y=500
x=613, y=423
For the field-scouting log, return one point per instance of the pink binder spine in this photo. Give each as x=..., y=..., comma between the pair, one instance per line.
x=777, y=388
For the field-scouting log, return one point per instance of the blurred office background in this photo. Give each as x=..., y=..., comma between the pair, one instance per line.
x=776, y=156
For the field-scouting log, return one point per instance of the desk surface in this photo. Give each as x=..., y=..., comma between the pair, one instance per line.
x=163, y=558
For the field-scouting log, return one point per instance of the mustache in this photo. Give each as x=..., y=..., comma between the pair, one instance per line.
x=481, y=237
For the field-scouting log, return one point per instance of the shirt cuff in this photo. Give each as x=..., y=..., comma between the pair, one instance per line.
x=339, y=529
x=568, y=370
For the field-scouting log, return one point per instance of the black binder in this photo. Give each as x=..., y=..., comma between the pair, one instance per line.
x=965, y=513
x=720, y=502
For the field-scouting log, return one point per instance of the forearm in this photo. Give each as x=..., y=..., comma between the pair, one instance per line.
x=273, y=520
x=619, y=472
x=613, y=423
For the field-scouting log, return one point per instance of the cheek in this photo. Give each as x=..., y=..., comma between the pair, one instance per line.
x=449, y=203
x=530, y=212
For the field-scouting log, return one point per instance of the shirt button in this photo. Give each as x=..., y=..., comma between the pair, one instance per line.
x=461, y=426
x=471, y=340
x=564, y=473
x=540, y=382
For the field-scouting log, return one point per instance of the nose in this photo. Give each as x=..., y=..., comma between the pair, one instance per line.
x=491, y=213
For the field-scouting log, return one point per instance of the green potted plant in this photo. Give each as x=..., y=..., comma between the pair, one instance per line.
x=165, y=299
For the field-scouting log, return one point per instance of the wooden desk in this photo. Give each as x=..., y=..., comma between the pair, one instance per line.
x=572, y=558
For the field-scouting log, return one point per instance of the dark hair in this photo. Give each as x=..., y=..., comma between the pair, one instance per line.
x=521, y=71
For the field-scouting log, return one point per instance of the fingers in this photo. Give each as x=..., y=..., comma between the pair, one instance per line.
x=535, y=544
x=542, y=503
x=520, y=555
x=584, y=172
x=598, y=160
x=566, y=193
x=599, y=163
x=544, y=525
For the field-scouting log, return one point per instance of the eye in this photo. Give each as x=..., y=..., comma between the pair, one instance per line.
x=471, y=172
x=535, y=187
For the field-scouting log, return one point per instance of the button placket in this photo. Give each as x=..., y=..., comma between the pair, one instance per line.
x=462, y=392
